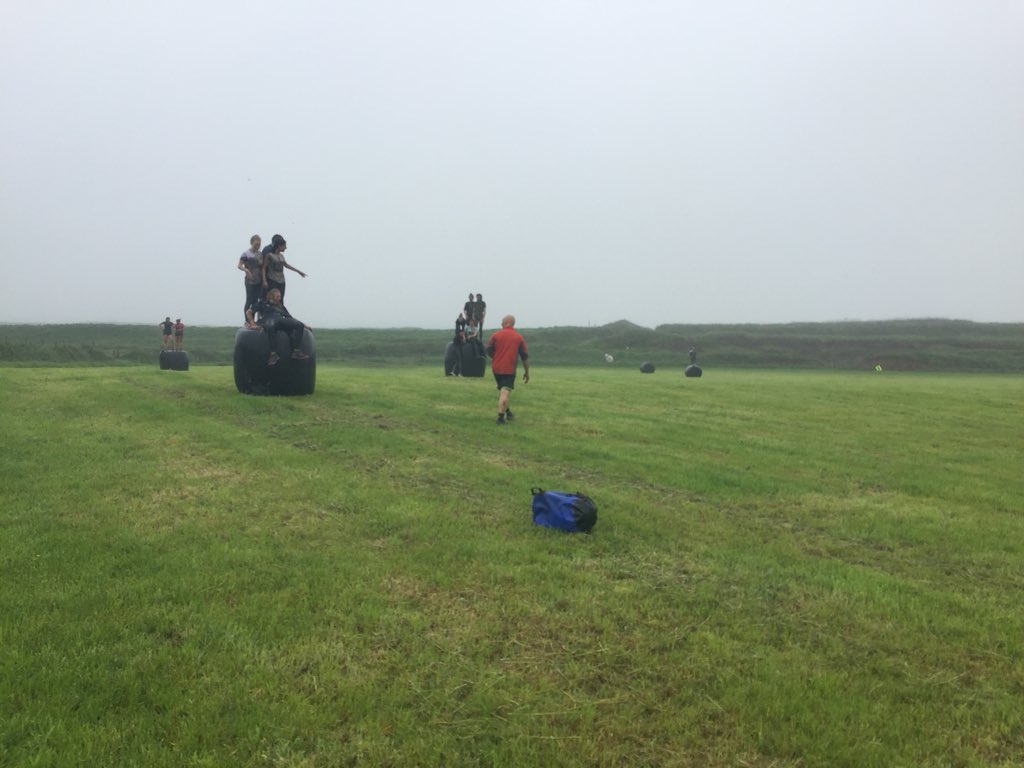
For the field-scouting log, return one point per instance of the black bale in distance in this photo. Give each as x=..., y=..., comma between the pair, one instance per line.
x=171, y=360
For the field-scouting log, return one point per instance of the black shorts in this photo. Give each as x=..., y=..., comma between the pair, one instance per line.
x=505, y=380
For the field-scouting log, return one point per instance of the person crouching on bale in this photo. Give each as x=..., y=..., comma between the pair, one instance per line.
x=274, y=316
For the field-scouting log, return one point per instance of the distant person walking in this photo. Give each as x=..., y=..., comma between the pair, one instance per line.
x=275, y=317
x=274, y=265
x=168, y=328
x=251, y=262
x=179, y=334
x=505, y=348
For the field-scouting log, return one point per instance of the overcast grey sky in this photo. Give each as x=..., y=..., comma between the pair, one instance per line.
x=576, y=161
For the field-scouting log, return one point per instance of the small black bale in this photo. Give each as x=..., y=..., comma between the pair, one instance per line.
x=647, y=367
x=172, y=360
x=692, y=372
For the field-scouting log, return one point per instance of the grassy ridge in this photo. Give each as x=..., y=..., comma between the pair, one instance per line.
x=946, y=345
x=789, y=569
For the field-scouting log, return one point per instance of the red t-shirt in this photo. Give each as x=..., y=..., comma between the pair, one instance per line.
x=505, y=348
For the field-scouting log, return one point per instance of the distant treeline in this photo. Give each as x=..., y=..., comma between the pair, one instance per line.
x=908, y=345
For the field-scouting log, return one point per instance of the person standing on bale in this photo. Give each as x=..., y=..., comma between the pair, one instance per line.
x=274, y=265
x=168, y=328
x=251, y=262
x=469, y=312
x=179, y=334
x=505, y=348
x=479, y=313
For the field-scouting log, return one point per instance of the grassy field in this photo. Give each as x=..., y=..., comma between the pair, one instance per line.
x=788, y=569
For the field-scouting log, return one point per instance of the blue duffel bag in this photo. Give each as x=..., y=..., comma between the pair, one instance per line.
x=565, y=511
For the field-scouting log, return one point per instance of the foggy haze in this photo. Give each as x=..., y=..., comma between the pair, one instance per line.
x=575, y=162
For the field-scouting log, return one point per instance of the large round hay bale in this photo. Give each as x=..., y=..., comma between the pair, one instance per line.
x=692, y=371
x=288, y=377
x=171, y=360
x=474, y=358
x=647, y=367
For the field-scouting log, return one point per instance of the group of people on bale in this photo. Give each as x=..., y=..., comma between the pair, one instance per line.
x=470, y=322
x=469, y=326
x=264, y=293
x=264, y=308
x=175, y=329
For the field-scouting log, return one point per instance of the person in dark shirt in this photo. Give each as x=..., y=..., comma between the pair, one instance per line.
x=168, y=327
x=274, y=265
x=458, y=340
x=273, y=317
x=479, y=313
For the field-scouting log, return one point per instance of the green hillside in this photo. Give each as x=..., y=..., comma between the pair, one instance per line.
x=931, y=344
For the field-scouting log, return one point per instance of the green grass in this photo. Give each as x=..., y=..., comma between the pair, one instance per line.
x=788, y=569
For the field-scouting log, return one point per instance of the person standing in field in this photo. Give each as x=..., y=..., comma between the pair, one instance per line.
x=251, y=262
x=505, y=348
x=168, y=328
x=179, y=334
x=274, y=265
